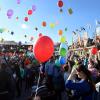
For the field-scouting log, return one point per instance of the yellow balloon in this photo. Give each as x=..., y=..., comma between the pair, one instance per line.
x=5, y=30
x=52, y=25
x=63, y=39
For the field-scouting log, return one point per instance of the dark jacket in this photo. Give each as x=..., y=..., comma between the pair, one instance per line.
x=6, y=86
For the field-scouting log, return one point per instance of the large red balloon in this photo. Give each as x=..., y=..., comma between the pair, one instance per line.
x=94, y=50
x=60, y=3
x=43, y=48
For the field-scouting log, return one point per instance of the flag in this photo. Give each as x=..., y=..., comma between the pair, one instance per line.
x=97, y=22
x=82, y=29
x=88, y=26
x=72, y=40
x=79, y=39
x=74, y=33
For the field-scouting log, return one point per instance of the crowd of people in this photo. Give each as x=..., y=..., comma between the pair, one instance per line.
x=75, y=80
x=80, y=43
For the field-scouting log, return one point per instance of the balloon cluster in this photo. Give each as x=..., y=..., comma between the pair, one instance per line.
x=60, y=5
x=63, y=50
x=30, y=12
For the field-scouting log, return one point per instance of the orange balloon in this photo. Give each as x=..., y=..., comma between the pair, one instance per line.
x=44, y=24
x=43, y=48
x=60, y=32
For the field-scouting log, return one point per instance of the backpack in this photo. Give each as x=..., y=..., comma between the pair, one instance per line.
x=96, y=93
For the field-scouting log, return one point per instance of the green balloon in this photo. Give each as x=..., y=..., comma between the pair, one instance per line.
x=63, y=52
x=1, y=30
x=70, y=11
x=63, y=39
x=65, y=29
x=34, y=61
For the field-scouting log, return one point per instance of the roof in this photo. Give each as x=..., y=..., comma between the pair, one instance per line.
x=8, y=43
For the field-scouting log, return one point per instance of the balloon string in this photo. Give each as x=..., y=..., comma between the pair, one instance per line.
x=37, y=85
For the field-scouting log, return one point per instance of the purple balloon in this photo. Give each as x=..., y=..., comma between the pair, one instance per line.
x=18, y=1
x=10, y=13
x=33, y=7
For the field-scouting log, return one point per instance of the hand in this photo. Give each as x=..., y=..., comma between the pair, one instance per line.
x=72, y=75
x=73, y=72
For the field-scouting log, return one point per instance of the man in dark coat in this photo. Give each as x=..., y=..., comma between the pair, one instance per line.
x=6, y=86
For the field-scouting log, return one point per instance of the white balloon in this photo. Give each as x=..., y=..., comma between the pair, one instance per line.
x=24, y=26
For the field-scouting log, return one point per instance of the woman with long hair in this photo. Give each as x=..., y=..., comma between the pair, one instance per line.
x=83, y=89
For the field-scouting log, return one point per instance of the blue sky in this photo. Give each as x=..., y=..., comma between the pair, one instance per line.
x=84, y=12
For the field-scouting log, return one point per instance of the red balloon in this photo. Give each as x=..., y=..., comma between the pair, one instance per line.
x=43, y=48
x=30, y=12
x=26, y=19
x=44, y=24
x=27, y=62
x=94, y=50
x=31, y=38
x=60, y=3
x=40, y=34
x=17, y=18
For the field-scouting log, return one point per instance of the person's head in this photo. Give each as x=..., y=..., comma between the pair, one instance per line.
x=66, y=67
x=91, y=62
x=84, y=73
x=87, y=55
x=3, y=66
x=51, y=59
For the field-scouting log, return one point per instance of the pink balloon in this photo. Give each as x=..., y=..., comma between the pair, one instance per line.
x=43, y=49
x=18, y=1
x=32, y=38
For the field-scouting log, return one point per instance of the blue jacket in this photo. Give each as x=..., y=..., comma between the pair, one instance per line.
x=49, y=68
x=81, y=89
